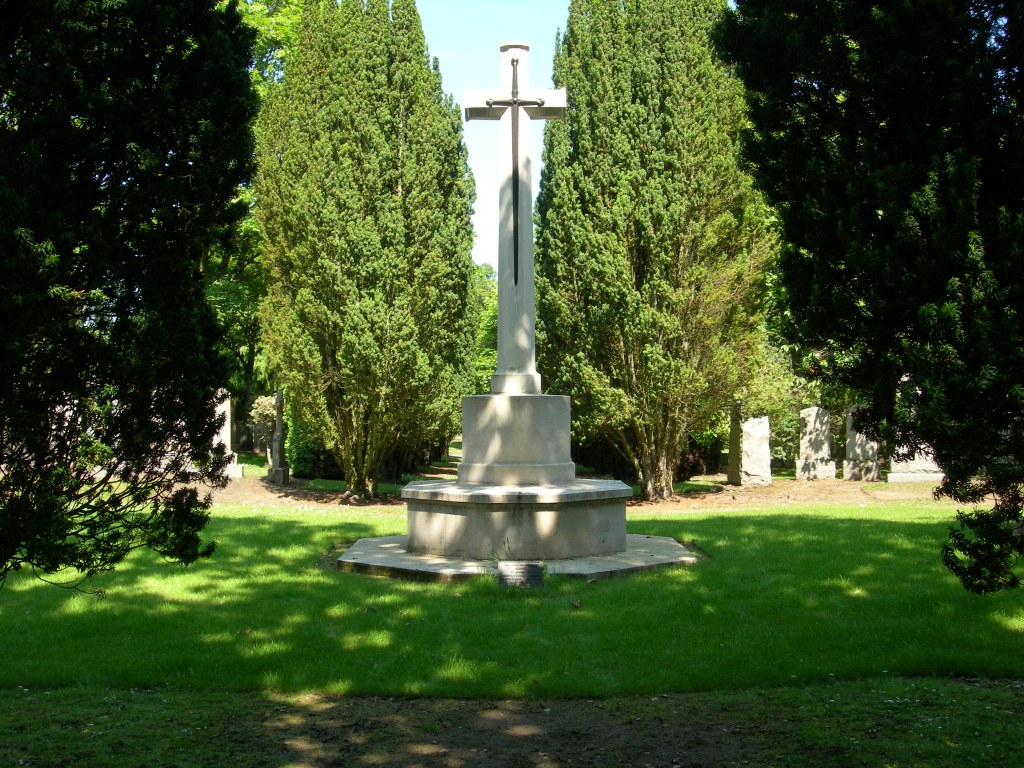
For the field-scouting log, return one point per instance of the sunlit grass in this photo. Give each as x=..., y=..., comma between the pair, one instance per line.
x=253, y=464
x=785, y=597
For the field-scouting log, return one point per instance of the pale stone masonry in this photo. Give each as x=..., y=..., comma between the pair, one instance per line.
x=861, y=462
x=516, y=496
x=920, y=469
x=278, y=472
x=750, y=457
x=233, y=469
x=814, y=462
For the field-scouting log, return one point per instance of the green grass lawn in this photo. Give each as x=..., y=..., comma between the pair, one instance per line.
x=827, y=612
x=785, y=597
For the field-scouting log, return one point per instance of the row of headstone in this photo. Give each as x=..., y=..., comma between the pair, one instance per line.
x=278, y=472
x=750, y=455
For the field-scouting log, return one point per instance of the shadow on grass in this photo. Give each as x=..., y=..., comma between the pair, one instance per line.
x=418, y=732
x=781, y=599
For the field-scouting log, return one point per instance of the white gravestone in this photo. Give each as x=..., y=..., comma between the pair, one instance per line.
x=861, y=462
x=516, y=495
x=750, y=457
x=814, y=461
x=233, y=469
x=920, y=469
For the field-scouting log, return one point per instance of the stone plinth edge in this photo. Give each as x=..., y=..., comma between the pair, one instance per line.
x=388, y=556
x=469, y=493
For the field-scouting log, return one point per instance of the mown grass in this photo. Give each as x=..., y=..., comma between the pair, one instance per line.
x=874, y=723
x=820, y=628
x=784, y=597
x=253, y=464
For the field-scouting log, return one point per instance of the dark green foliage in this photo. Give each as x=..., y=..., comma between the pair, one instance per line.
x=123, y=136
x=364, y=198
x=235, y=278
x=306, y=455
x=235, y=293
x=889, y=135
x=651, y=241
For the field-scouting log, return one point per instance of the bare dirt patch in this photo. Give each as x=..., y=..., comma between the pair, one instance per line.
x=666, y=731
x=258, y=491
x=716, y=493
x=787, y=491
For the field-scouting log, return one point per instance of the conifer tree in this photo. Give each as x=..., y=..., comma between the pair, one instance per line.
x=651, y=242
x=889, y=135
x=124, y=132
x=364, y=198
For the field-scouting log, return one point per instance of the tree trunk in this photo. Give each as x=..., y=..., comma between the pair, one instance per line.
x=655, y=468
x=656, y=475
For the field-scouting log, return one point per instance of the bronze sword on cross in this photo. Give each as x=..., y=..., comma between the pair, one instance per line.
x=517, y=370
x=514, y=104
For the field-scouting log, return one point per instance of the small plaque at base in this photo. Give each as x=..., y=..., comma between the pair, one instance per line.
x=520, y=573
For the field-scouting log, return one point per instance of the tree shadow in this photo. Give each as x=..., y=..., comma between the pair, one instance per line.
x=781, y=599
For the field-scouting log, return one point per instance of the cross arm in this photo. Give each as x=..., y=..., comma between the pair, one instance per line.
x=552, y=107
x=477, y=107
x=484, y=105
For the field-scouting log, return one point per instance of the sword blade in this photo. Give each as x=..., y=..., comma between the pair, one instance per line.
x=515, y=195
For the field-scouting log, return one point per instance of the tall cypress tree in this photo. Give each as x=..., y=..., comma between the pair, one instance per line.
x=364, y=198
x=651, y=242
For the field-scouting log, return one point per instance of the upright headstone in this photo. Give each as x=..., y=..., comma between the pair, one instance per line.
x=750, y=457
x=814, y=462
x=861, y=462
x=233, y=469
x=278, y=472
x=920, y=469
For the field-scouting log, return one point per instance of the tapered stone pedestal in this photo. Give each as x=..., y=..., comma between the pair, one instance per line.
x=517, y=496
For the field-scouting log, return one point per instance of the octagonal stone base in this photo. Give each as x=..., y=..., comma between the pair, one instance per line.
x=578, y=518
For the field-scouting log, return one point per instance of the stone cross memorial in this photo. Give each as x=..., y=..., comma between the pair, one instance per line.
x=515, y=105
x=517, y=496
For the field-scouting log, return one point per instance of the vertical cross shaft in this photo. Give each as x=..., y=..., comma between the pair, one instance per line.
x=517, y=369
x=514, y=104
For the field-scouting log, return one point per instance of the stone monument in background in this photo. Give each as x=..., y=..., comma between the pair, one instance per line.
x=278, y=472
x=814, y=462
x=750, y=456
x=516, y=496
x=233, y=469
x=920, y=469
x=861, y=462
